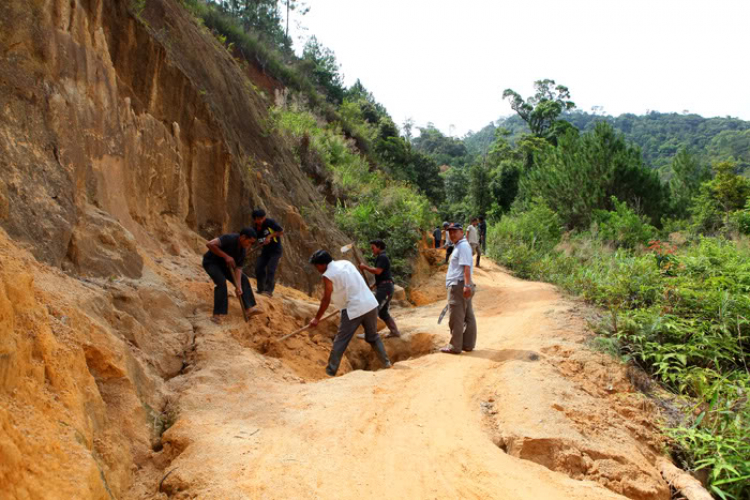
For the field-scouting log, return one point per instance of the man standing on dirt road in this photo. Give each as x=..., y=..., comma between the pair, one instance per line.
x=458, y=281
x=223, y=262
x=474, y=237
x=384, y=286
x=269, y=232
x=346, y=288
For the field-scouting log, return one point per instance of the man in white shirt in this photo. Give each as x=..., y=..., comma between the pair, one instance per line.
x=460, y=285
x=346, y=288
x=472, y=235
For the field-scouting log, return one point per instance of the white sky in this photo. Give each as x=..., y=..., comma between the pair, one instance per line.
x=449, y=61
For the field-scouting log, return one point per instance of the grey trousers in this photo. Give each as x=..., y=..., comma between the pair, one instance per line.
x=347, y=327
x=463, y=323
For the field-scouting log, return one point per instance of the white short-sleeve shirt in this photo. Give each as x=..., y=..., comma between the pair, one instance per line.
x=350, y=291
x=460, y=257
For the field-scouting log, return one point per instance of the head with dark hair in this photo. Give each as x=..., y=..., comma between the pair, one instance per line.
x=320, y=259
x=474, y=220
x=481, y=218
x=247, y=236
x=377, y=246
x=258, y=213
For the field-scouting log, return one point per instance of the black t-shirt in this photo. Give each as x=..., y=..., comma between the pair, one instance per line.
x=230, y=245
x=438, y=234
x=383, y=262
x=266, y=230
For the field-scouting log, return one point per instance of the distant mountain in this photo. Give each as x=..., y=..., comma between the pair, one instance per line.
x=659, y=135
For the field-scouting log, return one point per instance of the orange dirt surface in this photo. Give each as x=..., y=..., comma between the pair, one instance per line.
x=531, y=413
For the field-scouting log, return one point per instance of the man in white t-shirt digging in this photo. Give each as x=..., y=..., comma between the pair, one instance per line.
x=346, y=288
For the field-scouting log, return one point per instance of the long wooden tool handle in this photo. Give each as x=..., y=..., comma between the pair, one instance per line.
x=282, y=339
x=242, y=302
x=359, y=263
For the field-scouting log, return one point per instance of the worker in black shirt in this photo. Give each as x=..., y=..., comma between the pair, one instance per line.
x=269, y=233
x=383, y=283
x=224, y=258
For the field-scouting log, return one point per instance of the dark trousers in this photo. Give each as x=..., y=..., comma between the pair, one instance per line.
x=437, y=243
x=265, y=270
x=384, y=294
x=347, y=327
x=448, y=252
x=220, y=274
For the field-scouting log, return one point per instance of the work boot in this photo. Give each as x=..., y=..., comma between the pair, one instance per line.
x=391, y=324
x=379, y=349
x=334, y=360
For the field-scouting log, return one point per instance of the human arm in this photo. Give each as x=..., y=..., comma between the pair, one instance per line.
x=374, y=270
x=324, y=302
x=467, y=281
x=214, y=247
x=276, y=231
x=237, y=280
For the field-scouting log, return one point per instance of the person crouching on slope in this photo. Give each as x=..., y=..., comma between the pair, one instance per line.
x=346, y=288
x=458, y=281
x=223, y=262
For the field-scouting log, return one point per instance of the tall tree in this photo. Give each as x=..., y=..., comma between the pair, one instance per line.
x=320, y=63
x=543, y=109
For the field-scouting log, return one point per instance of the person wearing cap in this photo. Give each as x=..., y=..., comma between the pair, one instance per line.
x=270, y=233
x=460, y=285
x=344, y=286
x=223, y=262
x=384, y=286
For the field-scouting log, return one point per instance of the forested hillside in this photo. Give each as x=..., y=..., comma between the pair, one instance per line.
x=659, y=135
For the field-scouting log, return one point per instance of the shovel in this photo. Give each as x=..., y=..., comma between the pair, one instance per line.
x=295, y=332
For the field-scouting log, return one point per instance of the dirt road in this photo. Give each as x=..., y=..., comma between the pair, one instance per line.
x=532, y=413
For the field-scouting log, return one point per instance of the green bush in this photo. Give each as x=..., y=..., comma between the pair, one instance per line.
x=371, y=205
x=623, y=227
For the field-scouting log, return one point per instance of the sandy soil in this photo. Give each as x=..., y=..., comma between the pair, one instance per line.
x=532, y=413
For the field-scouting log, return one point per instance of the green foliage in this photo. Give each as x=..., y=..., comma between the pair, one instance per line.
x=394, y=213
x=584, y=172
x=541, y=111
x=443, y=149
x=679, y=313
x=622, y=227
x=319, y=62
x=521, y=240
x=659, y=135
x=370, y=204
x=687, y=175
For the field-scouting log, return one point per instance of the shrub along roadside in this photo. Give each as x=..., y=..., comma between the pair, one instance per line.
x=682, y=314
x=369, y=204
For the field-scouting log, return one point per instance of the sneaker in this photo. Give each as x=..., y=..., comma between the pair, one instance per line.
x=388, y=365
x=254, y=311
x=361, y=336
x=267, y=294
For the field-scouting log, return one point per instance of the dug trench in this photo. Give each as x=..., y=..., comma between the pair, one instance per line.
x=533, y=412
